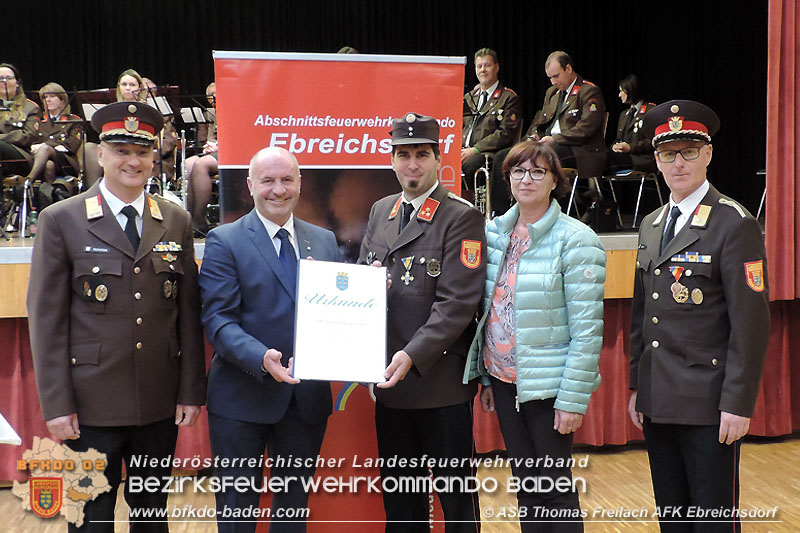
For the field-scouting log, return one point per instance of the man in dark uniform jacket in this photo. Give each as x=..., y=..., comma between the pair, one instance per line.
x=492, y=121
x=571, y=120
x=699, y=328
x=432, y=243
x=114, y=313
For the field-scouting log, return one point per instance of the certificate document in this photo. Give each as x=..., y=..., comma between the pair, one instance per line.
x=340, y=323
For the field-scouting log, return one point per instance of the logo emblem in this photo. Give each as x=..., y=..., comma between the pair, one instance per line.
x=471, y=254
x=342, y=281
x=754, y=275
x=131, y=124
x=675, y=124
x=46, y=496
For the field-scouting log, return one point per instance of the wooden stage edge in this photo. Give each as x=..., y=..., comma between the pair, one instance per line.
x=15, y=259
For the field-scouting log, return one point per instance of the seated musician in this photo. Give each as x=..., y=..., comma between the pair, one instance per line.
x=19, y=122
x=492, y=122
x=571, y=121
x=631, y=149
x=55, y=149
x=164, y=162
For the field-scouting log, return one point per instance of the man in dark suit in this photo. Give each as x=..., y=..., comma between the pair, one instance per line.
x=699, y=327
x=248, y=283
x=114, y=311
x=571, y=120
x=432, y=243
x=492, y=121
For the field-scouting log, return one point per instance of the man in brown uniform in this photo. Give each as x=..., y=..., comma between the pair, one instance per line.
x=492, y=122
x=114, y=311
x=432, y=243
x=699, y=328
x=571, y=119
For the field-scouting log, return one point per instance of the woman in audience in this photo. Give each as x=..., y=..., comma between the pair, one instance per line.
x=632, y=149
x=539, y=338
x=200, y=168
x=19, y=122
x=55, y=149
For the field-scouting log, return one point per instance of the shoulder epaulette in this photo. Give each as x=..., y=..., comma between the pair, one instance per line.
x=733, y=204
x=587, y=82
x=512, y=91
x=454, y=196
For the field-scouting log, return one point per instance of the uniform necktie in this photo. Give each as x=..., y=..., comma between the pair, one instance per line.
x=130, y=227
x=561, y=99
x=287, y=257
x=669, y=231
x=482, y=101
x=405, y=218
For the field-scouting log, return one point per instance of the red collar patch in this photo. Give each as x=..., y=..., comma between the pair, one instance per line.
x=395, y=208
x=428, y=209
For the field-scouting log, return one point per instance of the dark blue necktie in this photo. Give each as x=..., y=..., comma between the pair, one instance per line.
x=287, y=257
x=669, y=231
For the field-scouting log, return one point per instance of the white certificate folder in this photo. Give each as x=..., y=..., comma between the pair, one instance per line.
x=340, y=323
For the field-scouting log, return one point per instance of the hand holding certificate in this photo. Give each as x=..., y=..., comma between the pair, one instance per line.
x=340, y=324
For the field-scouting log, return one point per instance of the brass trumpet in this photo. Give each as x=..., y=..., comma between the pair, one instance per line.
x=483, y=189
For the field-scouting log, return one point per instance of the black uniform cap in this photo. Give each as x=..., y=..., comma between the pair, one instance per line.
x=415, y=129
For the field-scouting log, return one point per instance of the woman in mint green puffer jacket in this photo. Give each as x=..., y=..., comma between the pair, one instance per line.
x=539, y=338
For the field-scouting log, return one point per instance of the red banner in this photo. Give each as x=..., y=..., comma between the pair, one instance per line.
x=334, y=110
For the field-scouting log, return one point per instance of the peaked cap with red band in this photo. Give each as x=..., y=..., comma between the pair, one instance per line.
x=680, y=120
x=128, y=122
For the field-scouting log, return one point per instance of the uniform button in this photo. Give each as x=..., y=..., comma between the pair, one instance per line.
x=688, y=272
x=638, y=264
x=95, y=270
x=714, y=362
x=139, y=321
x=136, y=270
x=138, y=295
x=654, y=344
x=73, y=361
x=655, y=296
x=138, y=345
x=172, y=267
x=657, y=272
x=655, y=320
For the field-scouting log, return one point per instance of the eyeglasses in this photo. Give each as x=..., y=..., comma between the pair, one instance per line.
x=536, y=174
x=688, y=154
x=7, y=78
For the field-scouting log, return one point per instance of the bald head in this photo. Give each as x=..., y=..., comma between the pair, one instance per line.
x=274, y=183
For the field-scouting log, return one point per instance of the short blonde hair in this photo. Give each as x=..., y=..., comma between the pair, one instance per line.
x=58, y=90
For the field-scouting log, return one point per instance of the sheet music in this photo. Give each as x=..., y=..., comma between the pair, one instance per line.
x=160, y=103
x=91, y=109
x=190, y=115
